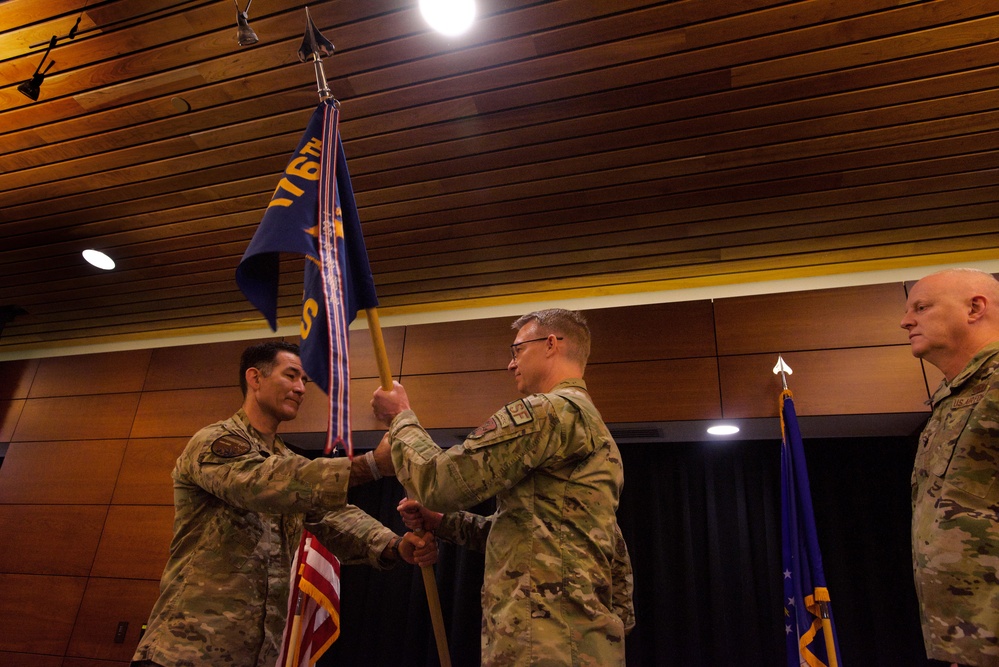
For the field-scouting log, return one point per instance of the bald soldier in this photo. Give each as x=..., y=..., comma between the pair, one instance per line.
x=241, y=500
x=557, y=588
x=953, y=322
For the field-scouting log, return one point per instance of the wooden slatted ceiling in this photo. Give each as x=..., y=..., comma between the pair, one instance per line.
x=566, y=145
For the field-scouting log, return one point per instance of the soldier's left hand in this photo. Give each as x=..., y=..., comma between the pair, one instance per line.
x=418, y=550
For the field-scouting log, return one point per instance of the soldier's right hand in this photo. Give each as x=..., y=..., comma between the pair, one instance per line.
x=411, y=551
x=417, y=517
x=387, y=405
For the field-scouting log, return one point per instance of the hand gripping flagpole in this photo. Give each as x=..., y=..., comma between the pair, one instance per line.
x=429, y=582
x=313, y=48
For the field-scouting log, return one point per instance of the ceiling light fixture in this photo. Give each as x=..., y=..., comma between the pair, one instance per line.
x=76, y=27
x=244, y=33
x=98, y=259
x=33, y=86
x=723, y=429
x=449, y=17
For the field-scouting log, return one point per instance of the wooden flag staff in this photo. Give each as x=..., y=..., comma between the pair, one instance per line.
x=313, y=48
x=429, y=582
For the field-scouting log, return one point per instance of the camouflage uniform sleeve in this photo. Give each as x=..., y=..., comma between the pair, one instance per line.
x=241, y=474
x=465, y=528
x=354, y=536
x=496, y=456
x=623, y=582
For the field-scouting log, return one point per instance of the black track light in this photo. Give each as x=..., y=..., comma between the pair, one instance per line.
x=33, y=86
x=244, y=33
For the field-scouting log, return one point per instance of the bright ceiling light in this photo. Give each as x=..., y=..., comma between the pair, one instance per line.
x=98, y=259
x=723, y=429
x=450, y=17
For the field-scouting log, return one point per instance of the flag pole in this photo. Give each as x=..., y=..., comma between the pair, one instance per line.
x=429, y=582
x=313, y=48
x=296, y=630
x=784, y=370
x=828, y=634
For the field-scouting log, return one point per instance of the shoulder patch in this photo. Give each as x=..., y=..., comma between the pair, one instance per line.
x=488, y=427
x=520, y=412
x=228, y=448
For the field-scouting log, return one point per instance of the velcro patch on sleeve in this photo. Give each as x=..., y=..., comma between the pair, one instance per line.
x=487, y=427
x=520, y=412
x=228, y=447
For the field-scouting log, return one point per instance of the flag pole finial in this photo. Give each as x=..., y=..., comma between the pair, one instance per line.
x=314, y=47
x=783, y=370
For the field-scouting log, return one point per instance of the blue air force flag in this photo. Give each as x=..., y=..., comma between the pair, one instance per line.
x=808, y=623
x=312, y=213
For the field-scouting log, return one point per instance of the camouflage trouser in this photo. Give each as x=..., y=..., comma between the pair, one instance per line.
x=958, y=624
x=954, y=570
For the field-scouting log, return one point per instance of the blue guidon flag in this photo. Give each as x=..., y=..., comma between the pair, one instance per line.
x=808, y=623
x=313, y=213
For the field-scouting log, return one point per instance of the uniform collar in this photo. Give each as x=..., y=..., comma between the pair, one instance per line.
x=253, y=435
x=980, y=359
x=576, y=383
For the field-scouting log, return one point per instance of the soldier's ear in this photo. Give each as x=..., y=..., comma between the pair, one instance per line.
x=979, y=304
x=253, y=377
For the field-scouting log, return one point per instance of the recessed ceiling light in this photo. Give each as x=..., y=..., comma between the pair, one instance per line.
x=723, y=429
x=450, y=17
x=98, y=259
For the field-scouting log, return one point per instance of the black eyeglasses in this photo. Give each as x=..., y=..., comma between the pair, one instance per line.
x=513, y=348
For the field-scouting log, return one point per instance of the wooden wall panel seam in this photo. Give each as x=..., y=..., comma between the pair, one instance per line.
x=39, y=425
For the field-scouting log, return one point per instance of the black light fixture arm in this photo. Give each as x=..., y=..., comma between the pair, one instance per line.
x=52, y=43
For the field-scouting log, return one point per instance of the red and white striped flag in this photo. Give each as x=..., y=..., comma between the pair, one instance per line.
x=313, y=606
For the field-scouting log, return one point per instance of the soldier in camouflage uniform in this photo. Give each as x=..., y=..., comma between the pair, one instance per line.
x=953, y=322
x=241, y=501
x=557, y=588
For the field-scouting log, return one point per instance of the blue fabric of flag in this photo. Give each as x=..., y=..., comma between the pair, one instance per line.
x=805, y=592
x=313, y=213
x=289, y=226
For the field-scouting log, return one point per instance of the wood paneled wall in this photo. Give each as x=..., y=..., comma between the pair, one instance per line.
x=85, y=492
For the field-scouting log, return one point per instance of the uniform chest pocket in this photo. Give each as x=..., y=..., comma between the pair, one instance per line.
x=943, y=436
x=232, y=538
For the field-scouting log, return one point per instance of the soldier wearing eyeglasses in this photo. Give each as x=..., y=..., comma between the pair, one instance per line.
x=557, y=588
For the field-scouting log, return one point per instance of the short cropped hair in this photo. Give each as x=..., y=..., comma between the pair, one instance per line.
x=569, y=324
x=262, y=356
x=976, y=279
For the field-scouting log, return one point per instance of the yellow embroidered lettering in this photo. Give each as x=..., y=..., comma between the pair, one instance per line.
x=303, y=167
x=309, y=310
x=285, y=184
x=300, y=167
x=313, y=147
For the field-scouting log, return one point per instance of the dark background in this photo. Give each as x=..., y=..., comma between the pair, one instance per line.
x=702, y=522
